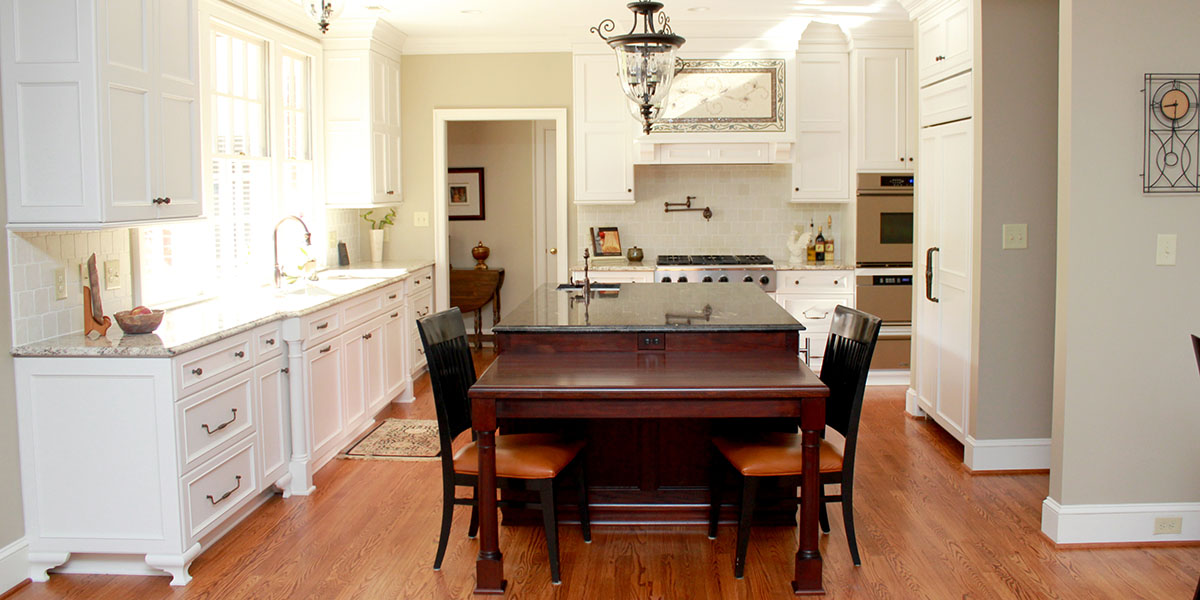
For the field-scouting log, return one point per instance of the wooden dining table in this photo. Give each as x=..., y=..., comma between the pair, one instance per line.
x=717, y=384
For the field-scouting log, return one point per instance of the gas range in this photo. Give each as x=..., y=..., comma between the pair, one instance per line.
x=716, y=268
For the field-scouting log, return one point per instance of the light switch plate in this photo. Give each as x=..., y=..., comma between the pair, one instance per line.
x=421, y=219
x=60, y=283
x=1015, y=236
x=1165, y=254
x=112, y=274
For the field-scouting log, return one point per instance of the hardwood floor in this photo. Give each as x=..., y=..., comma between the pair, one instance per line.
x=927, y=528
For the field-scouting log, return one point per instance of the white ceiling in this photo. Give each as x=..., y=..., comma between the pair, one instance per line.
x=558, y=24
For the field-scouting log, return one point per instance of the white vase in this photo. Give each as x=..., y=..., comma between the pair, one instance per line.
x=376, y=245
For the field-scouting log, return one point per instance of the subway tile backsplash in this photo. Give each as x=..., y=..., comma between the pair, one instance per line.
x=33, y=258
x=751, y=212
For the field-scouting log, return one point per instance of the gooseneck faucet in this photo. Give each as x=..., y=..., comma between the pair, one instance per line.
x=587, y=281
x=275, y=241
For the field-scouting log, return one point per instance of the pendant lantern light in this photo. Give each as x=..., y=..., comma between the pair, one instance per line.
x=324, y=11
x=646, y=58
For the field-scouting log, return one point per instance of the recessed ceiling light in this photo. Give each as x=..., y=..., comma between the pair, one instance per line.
x=471, y=11
x=698, y=9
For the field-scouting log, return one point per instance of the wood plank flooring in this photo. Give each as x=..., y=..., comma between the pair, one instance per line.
x=927, y=528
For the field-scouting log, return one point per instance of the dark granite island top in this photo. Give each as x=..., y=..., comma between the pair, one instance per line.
x=650, y=308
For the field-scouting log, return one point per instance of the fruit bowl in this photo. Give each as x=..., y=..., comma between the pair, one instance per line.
x=143, y=323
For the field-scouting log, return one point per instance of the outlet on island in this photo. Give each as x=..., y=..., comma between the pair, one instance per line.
x=652, y=341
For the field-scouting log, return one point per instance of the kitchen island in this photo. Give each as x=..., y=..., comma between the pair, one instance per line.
x=647, y=373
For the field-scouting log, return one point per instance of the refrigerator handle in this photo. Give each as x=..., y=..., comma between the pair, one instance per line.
x=929, y=273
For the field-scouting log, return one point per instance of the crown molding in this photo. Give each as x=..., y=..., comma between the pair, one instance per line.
x=882, y=34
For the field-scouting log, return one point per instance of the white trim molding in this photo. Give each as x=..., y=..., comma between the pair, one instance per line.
x=14, y=564
x=889, y=377
x=1117, y=523
x=1006, y=454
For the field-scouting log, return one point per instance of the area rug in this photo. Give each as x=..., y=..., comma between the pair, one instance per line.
x=399, y=439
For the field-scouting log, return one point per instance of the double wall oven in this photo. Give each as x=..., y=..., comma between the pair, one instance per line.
x=884, y=262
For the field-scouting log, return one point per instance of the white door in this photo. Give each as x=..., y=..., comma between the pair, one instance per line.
x=926, y=314
x=177, y=93
x=882, y=110
x=130, y=112
x=549, y=252
x=952, y=273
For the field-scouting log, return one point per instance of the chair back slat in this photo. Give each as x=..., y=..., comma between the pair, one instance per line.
x=451, y=372
x=852, y=337
x=1196, y=347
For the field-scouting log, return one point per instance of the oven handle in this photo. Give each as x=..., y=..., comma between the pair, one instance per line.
x=929, y=273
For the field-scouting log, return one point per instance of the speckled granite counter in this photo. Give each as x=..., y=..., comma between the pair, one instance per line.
x=195, y=325
x=649, y=307
x=786, y=266
x=622, y=265
x=648, y=265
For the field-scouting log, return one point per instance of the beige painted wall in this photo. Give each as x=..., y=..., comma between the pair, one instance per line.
x=1017, y=148
x=11, y=520
x=505, y=151
x=1127, y=396
x=466, y=81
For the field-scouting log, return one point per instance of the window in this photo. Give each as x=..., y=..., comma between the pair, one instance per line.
x=258, y=121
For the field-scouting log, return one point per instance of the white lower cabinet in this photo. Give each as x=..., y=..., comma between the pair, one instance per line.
x=324, y=388
x=271, y=380
x=810, y=297
x=395, y=374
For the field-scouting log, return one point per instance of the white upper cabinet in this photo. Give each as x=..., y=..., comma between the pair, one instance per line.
x=101, y=111
x=944, y=42
x=821, y=166
x=604, y=130
x=362, y=116
x=882, y=110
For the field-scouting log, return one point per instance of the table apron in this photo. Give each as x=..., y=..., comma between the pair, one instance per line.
x=806, y=408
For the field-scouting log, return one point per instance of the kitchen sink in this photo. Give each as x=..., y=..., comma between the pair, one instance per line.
x=328, y=287
x=361, y=273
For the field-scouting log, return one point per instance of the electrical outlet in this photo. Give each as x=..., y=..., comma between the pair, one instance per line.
x=112, y=274
x=1015, y=236
x=1163, y=525
x=1165, y=250
x=60, y=283
x=420, y=219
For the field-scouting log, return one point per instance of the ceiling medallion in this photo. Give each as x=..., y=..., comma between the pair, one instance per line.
x=646, y=58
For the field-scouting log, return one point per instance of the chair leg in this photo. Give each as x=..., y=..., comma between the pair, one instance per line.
x=585, y=519
x=447, y=516
x=749, y=491
x=848, y=520
x=474, y=528
x=550, y=521
x=716, y=484
x=823, y=516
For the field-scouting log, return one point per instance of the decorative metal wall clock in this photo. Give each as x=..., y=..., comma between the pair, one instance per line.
x=1171, y=160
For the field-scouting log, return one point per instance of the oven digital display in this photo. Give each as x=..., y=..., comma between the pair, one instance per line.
x=896, y=181
x=896, y=228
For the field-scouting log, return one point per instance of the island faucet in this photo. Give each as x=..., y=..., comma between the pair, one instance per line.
x=587, y=281
x=275, y=241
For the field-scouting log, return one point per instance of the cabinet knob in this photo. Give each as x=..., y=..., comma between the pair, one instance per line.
x=796, y=189
x=239, y=354
x=366, y=336
x=940, y=58
x=167, y=200
x=197, y=371
x=910, y=159
x=391, y=192
x=285, y=370
x=270, y=341
x=395, y=314
x=629, y=190
x=392, y=297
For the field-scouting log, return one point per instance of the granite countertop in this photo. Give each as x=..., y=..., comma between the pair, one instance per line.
x=790, y=266
x=649, y=307
x=195, y=325
x=614, y=265
x=625, y=265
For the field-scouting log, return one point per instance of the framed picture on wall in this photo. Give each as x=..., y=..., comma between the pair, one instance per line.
x=606, y=241
x=464, y=197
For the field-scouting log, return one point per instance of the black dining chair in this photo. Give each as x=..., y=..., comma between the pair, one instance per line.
x=523, y=461
x=848, y=352
x=1196, y=347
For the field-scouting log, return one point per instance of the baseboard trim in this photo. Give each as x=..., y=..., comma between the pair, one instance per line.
x=14, y=565
x=1007, y=454
x=888, y=377
x=1117, y=523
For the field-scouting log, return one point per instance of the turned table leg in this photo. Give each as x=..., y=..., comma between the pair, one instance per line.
x=489, y=566
x=808, y=556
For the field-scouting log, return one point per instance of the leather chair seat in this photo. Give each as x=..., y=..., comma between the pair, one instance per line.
x=522, y=456
x=775, y=455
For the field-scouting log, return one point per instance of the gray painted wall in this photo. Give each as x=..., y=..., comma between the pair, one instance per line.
x=1017, y=85
x=11, y=519
x=1127, y=396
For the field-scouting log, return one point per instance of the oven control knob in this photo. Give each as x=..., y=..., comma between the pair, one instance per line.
x=666, y=280
x=707, y=279
x=748, y=279
x=764, y=280
x=683, y=279
x=723, y=279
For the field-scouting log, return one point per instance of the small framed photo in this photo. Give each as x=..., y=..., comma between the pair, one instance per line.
x=606, y=241
x=464, y=197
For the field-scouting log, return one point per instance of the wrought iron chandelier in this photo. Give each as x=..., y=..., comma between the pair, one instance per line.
x=323, y=11
x=646, y=58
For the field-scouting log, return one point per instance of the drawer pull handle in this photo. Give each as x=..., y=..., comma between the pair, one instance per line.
x=421, y=351
x=808, y=316
x=392, y=297
x=226, y=494
x=270, y=341
x=222, y=425
x=394, y=315
x=239, y=354
x=323, y=325
x=326, y=349
x=197, y=371
x=366, y=336
x=285, y=370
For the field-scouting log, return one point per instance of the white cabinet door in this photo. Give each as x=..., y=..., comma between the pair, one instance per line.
x=944, y=42
x=177, y=91
x=372, y=370
x=272, y=395
x=324, y=386
x=129, y=110
x=395, y=371
x=882, y=110
x=821, y=167
x=603, y=133
x=362, y=128
x=354, y=359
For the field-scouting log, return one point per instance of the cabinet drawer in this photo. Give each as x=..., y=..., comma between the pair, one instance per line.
x=210, y=420
x=321, y=325
x=949, y=100
x=814, y=282
x=217, y=488
x=418, y=354
x=268, y=342
x=420, y=280
x=363, y=307
x=205, y=366
x=393, y=295
x=815, y=313
x=420, y=306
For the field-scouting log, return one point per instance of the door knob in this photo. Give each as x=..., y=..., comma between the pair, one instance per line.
x=554, y=251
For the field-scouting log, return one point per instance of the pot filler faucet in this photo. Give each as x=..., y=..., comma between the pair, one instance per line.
x=275, y=240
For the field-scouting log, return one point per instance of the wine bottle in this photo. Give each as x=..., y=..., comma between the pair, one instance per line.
x=812, y=244
x=829, y=241
x=820, y=246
